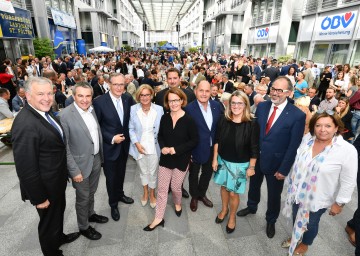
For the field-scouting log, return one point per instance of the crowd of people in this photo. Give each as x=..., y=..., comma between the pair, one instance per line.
x=177, y=113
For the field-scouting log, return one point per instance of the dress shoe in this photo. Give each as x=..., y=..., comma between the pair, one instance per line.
x=178, y=213
x=351, y=235
x=301, y=249
x=126, y=200
x=193, y=204
x=143, y=203
x=98, y=218
x=206, y=201
x=185, y=194
x=218, y=220
x=229, y=230
x=91, y=233
x=147, y=228
x=69, y=238
x=115, y=214
x=152, y=205
x=270, y=230
x=245, y=211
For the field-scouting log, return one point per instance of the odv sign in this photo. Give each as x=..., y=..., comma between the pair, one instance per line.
x=262, y=33
x=337, y=21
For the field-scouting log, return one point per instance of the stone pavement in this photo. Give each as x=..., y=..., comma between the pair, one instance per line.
x=191, y=234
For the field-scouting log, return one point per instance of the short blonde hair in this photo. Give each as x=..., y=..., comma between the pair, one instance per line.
x=141, y=88
x=303, y=101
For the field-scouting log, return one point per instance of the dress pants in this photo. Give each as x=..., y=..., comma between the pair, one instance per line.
x=115, y=175
x=198, y=187
x=85, y=192
x=274, y=189
x=50, y=227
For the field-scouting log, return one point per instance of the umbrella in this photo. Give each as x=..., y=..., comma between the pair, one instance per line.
x=101, y=49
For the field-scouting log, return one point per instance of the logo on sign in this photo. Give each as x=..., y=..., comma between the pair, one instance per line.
x=337, y=21
x=261, y=33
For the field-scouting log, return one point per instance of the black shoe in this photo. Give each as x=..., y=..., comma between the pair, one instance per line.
x=270, y=230
x=229, y=230
x=69, y=238
x=178, y=213
x=98, y=218
x=147, y=228
x=126, y=200
x=218, y=220
x=245, y=211
x=115, y=214
x=91, y=233
x=185, y=194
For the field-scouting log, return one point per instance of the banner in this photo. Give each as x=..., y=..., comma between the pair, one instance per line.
x=58, y=43
x=17, y=25
x=63, y=19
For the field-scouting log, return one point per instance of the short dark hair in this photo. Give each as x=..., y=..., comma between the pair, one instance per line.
x=178, y=92
x=334, y=117
x=3, y=91
x=173, y=70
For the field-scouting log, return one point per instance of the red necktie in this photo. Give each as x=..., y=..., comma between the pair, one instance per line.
x=271, y=120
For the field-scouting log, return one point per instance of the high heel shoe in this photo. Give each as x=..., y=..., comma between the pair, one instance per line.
x=218, y=220
x=178, y=213
x=147, y=228
x=229, y=230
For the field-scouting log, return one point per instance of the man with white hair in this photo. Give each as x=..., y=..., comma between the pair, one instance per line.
x=257, y=99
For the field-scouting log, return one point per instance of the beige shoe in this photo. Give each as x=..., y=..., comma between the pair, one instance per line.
x=143, y=203
x=152, y=205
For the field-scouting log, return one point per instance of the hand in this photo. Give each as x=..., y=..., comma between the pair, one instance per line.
x=279, y=176
x=215, y=164
x=140, y=148
x=335, y=209
x=250, y=172
x=165, y=150
x=43, y=205
x=172, y=151
x=338, y=109
x=118, y=138
x=78, y=178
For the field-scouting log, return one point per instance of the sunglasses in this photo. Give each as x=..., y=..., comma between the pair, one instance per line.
x=328, y=111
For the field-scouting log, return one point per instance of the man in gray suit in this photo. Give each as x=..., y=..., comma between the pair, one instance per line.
x=84, y=156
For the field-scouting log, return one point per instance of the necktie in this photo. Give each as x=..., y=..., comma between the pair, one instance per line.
x=119, y=110
x=271, y=119
x=53, y=124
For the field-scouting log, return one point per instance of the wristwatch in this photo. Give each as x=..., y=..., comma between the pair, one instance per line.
x=341, y=205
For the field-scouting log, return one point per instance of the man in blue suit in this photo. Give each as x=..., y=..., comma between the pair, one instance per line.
x=113, y=113
x=206, y=115
x=281, y=130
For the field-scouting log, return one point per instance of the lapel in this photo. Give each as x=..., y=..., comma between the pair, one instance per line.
x=111, y=107
x=281, y=119
x=80, y=120
x=125, y=104
x=197, y=108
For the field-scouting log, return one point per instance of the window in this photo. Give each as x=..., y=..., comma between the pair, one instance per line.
x=303, y=51
x=355, y=58
x=55, y=4
x=63, y=5
x=320, y=52
x=339, y=53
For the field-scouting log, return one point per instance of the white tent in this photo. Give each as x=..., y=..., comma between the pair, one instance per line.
x=101, y=49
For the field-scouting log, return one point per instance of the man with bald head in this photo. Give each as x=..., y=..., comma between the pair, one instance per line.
x=206, y=114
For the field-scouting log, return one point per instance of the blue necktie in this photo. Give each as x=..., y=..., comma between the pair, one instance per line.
x=119, y=110
x=53, y=124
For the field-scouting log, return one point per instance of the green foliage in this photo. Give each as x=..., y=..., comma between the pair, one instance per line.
x=161, y=43
x=285, y=58
x=127, y=47
x=194, y=49
x=43, y=47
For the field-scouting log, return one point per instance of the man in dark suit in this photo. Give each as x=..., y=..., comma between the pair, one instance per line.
x=113, y=113
x=257, y=69
x=206, y=115
x=18, y=102
x=62, y=66
x=249, y=90
x=271, y=71
x=214, y=91
x=281, y=130
x=227, y=86
x=38, y=136
x=69, y=80
x=314, y=99
x=148, y=80
x=99, y=87
x=92, y=77
x=173, y=80
x=84, y=138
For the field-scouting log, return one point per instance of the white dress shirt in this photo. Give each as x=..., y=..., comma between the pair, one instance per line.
x=278, y=111
x=55, y=122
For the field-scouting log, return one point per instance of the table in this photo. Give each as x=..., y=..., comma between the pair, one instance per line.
x=5, y=129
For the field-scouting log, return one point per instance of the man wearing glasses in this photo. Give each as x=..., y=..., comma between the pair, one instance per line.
x=113, y=113
x=281, y=129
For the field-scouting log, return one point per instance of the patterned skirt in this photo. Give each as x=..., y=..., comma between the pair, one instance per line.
x=232, y=176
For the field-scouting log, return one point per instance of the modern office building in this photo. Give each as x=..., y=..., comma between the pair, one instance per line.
x=328, y=30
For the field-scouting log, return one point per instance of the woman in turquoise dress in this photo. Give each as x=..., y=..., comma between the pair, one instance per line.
x=236, y=149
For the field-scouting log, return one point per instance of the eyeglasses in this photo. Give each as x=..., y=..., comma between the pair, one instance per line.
x=241, y=104
x=118, y=85
x=278, y=90
x=174, y=101
x=145, y=95
x=327, y=111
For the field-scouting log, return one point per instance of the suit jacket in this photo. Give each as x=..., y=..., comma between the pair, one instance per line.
x=201, y=153
x=17, y=103
x=278, y=147
x=111, y=125
x=150, y=82
x=271, y=72
x=199, y=78
x=257, y=72
x=309, y=78
x=69, y=82
x=251, y=98
x=229, y=87
x=314, y=101
x=5, y=111
x=284, y=70
x=135, y=128
x=40, y=157
x=159, y=98
x=62, y=68
x=98, y=91
x=79, y=146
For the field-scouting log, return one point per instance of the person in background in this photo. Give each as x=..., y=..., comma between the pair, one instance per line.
x=303, y=103
x=325, y=78
x=353, y=86
x=323, y=177
x=329, y=103
x=144, y=147
x=291, y=74
x=177, y=138
x=18, y=102
x=5, y=111
x=355, y=105
x=343, y=110
x=301, y=86
x=314, y=99
x=234, y=160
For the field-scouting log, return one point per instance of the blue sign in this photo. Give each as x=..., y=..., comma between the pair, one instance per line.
x=58, y=43
x=16, y=25
x=103, y=43
x=80, y=46
x=262, y=33
x=336, y=21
